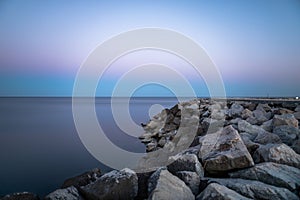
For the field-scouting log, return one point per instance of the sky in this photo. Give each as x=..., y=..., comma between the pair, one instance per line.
x=255, y=44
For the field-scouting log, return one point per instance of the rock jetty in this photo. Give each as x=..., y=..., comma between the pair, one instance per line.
x=242, y=149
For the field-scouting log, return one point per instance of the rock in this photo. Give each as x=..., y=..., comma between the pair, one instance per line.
x=223, y=151
x=191, y=179
x=163, y=185
x=296, y=146
x=255, y=189
x=244, y=126
x=289, y=105
x=186, y=162
x=69, y=193
x=235, y=110
x=214, y=107
x=143, y=185
x=287, y=134
x=265, y=137
x=219, y=192
x=252, y=120
x=264, y=107
x=235, y=121
x=281, y=111
x=82, y=179
x=246, y=114
x=297, y=115
x=211, y=125
x=218, y=115
x=297, y=109
x=277, y=153
x=260, y=116
x=249, y=105
x=286, y=119
x=21, y=196
x=113, y=185
x=271, y=173
x=268, y=125
x=251, y=146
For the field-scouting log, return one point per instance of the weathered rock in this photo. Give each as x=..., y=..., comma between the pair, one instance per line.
x=265, y=137
x=260, y=116
x=143, y=185
x=249, y=105
x=186, y=162
x=252, y=120
x=264, y=107
x=289, y=105
x=277, y=153
x=235, y=110
x=191, y=179
x=255, y=189
x=219, y=192
x=113, y=185
x=69, y=193
x=223, y=151
x=246, y=113
x=251, y=146
x=286, y=119
x=297, y=109
x=281, y=111
x=163, y=185
x=21, y=196
x=272, y=173
x=297, y=115
x=244, y=126
x=218, y=115
x=268, y=125
x=287, y=134
x=296, y=146
x=211, y=125
x=82, y=179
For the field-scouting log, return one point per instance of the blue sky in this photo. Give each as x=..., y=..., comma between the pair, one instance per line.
x=255, y=44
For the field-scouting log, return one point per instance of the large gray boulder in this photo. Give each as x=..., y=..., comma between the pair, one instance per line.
x=223, y=151
x=163, y=185
x=271, y=173
x=186, y=162
x=70, y=193
x=285, y=119
x=255, y=189
x=260, y=116
x=191, y=179
x=219, y=192
x=121, y=184
x=287, y=134
x=235, y=110
x=296, y=146
x=277, y=153
x=297, y=115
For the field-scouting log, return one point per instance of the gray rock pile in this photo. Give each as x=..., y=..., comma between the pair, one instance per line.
x=240, y=150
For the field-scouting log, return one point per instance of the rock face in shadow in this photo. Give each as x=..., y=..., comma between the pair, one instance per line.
x=219, y=192
x=163, y=185
x=256, y=189
x=223, y=151
x=113, y=185
x=21, y=196
x=272, y=173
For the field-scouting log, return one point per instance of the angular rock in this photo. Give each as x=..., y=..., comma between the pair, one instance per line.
x=82, y=179
x=268, y=125
x=281, y=111
x=252, y=120
x=271, y=173
x=235, y=110
x=260, y=116
x=286, y=119
x=69, y=193
x=297, y=109
x=265, y=137
x=218, y=115
x=296, y=146
x=277, y=153
x=143, y=185
x=121, y=184
x=251, y=146
x=191, y=179
x=246, y=113
x=21, y=196
x=186, y=162
x=264, y=107
x=211, y=125
x=219, y=192
x=287, y=134
x=223, y=151
x=163, y=185
x=255, y=189
x=244, y=126
x=297, y=115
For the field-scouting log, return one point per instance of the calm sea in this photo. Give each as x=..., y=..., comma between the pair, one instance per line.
x=40, y=147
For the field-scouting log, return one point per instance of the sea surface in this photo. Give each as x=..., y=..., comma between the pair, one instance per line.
x=40, y=147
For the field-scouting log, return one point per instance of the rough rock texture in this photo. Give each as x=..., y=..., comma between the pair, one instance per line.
x=70, y=193
x=277, y=153
x=272, y=173
x=82, y=179
x=163, y=185
x=219, y=192
x=21, y=196
x=223, y=151
x=191, y=179
x=113, y=185
x=287, y=134
x=285, y=119
x=186, y=162
x=256, y=189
